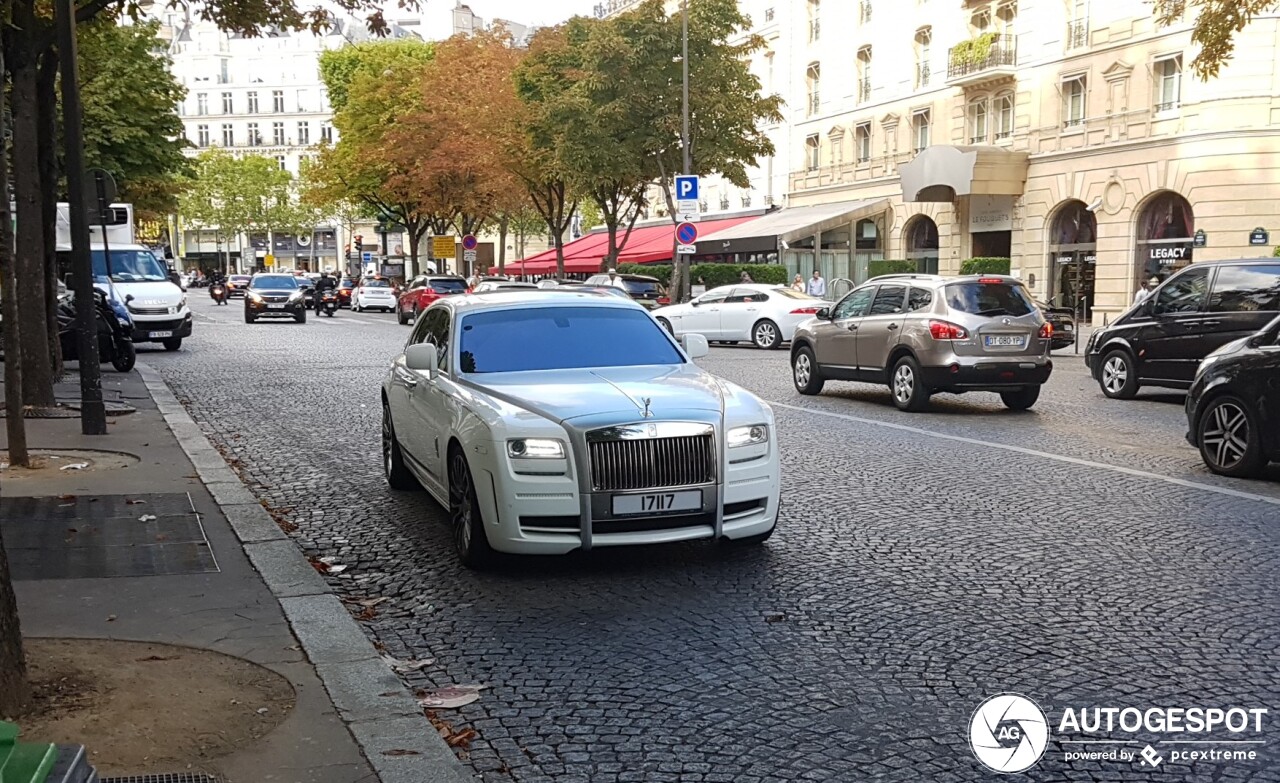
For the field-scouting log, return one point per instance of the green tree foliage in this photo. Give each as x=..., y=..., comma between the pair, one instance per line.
x=985, y=266
x=889, y=266
x=237, y=195
x=131, y=126
x=1216, y=26
x=715, y=274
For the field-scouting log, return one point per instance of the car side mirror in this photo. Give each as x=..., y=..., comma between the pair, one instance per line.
x=694, y=303
x=423, y=357
x=695, y=345
x=823, y=314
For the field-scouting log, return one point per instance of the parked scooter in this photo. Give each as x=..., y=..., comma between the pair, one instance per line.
x=115, y=332
x=329, y=302
x=218, y=292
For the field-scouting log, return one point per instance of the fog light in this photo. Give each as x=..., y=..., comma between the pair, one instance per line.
x=955, y=368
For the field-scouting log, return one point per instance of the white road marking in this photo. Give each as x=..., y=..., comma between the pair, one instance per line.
x=1235, y=493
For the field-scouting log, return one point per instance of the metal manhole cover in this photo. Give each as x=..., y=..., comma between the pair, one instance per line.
x=168, y=777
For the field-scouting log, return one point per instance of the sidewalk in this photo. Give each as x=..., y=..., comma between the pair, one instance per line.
x=244, y=591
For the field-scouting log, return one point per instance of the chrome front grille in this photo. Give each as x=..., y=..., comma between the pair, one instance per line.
x=150, y=311
x=651, y=456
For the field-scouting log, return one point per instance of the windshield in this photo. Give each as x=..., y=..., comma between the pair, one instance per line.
x=449, y=286
x=791, y=293
x=989, y=298
x=129, y=266
x=274, y=282
x=559, y=338
x=642, y=286
x=347, y=283
x=376, y=284
x=239, y=278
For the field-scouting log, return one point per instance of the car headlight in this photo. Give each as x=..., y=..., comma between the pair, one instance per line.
x=295, y=296
x=535, y=448
x=125, y=322
x=748, y=436
x=255, y=297
x=181, y=304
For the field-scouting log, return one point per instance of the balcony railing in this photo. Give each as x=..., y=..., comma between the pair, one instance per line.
x=922, y=75
x=1078, y=34
x=815, y=29
x=980, y=55
x=814, y=103
x=864, y=89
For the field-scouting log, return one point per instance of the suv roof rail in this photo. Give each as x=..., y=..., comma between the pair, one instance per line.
x=906, y=276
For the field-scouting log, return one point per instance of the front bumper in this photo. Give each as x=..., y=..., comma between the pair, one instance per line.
x=264, y=310
x=161, y=330
x=986, y=376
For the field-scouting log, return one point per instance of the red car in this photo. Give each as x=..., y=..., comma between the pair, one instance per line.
x=422, y=291
x=345, y=287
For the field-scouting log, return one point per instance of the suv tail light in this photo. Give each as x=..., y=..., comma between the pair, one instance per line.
x=990, y=280
x=806, y=311
x=942, y=330
x=1046, y=331
x=664, y=300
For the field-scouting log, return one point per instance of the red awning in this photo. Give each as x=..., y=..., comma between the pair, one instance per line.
x=647, y=244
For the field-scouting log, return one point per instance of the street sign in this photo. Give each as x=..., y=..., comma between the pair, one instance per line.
x=1259, y=236
x=269, y=260
x=686, y=250
x=443, y=247
x=469, y=256
x=686, y=233
x=1200, y=239
x=366, y=257
x=688, y=211
x=686, y=188
x=469, y=242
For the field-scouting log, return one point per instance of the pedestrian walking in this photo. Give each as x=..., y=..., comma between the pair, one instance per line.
x=817, y=286
x=798, y=283
x=746, y=277
x=1145, y=289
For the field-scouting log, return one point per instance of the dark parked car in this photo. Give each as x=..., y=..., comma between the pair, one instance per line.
x=274, y=296
x=1063, y=322
x=1161, y=340
x=1233, y=410
x=647, y=291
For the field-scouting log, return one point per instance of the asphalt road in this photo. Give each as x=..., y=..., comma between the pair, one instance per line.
x=1078, y=554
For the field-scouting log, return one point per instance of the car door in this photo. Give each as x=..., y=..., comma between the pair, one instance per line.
x=1243, y=298
x=1171, y=345
x=738, y=314
x=879, y=329
x=403, y=382
x=412, y=292
x=429, y=402
x=704, y=318
x=837, y=338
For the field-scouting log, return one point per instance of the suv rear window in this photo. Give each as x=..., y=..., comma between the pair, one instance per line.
x=449, y=286
x=988, y=299
x=642, y=286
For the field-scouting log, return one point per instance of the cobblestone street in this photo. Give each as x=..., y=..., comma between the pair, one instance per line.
x=1078, y=554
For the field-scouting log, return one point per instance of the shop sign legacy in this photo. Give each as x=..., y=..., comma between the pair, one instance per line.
x=1166, y=255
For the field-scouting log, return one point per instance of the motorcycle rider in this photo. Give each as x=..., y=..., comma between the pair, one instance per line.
x=325, y=283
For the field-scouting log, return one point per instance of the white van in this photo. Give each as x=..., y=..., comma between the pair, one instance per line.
x=157, y=306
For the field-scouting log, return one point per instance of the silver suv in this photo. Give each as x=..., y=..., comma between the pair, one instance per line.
x=924, y=334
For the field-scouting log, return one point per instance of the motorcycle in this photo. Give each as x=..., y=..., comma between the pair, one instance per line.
x=329, y=302
x=115, y=332
x=218, y=292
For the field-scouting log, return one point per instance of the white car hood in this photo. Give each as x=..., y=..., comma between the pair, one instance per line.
x=563, y=395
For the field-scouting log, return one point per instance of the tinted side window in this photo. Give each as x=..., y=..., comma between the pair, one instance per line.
x=713, y=297
x=854, y=305
x=419, y=333
x=888, y=300
x=1246, y=289
x=1184, y=293
x=739, y=295
x=919, y=299
x=439, y=331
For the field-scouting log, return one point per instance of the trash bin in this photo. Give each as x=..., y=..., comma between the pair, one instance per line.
x=41, y=762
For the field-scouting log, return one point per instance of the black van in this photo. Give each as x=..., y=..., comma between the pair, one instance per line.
x=1161, y=341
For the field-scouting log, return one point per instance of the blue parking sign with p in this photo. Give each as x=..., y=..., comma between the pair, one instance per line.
x=686, y=188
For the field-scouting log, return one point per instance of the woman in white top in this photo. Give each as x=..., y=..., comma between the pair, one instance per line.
x=798, y=284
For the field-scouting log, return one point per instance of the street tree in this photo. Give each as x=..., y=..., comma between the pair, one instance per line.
x=1216, y=26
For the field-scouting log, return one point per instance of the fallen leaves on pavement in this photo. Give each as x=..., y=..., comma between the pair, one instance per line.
x=452, y=737
x=450, y=697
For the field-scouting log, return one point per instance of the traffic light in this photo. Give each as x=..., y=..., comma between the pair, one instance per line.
x=359, y=242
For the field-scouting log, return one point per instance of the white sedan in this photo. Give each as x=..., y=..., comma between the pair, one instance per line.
x=767, y=315
x=551, y=421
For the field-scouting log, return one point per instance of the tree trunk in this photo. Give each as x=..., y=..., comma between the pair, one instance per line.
x=48, y=119
x=37, y=371
x=15, y=690
x=15, y=425
x=415, y=236
x=504, y=223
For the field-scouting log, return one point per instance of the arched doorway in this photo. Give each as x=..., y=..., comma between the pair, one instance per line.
x=921, y=241
x=1073, y=256
x=868, y=246
x=1166, y=225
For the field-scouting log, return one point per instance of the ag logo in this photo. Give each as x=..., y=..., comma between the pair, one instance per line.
x=1008, y=733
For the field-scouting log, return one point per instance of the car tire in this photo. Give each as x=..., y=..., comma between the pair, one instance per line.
x=249, y=318
x=398, y=475
x=126, y=358
x=665, y=324
x=766, y=336
x=805, y=373
x=1021, y=399
x=400, y=316
x=466, y=524
x=906, y=386
x=301, y=317
x=1118, y=377
x=172, y=344
x=416, y=313
x=1229, y=438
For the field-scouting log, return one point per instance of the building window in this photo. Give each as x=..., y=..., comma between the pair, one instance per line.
x=304, y=133
x=326, y=133
x=864, y=11
x=977, y=116
x=224, y=73
x=227, y=107
x=746, y=199
x=1073, y=100
x=277, y=133
x=280, y=162
x=1168, y=72
x=252, y=99
x=202, y=135
x=202, y=103
x=924, y=39
x=1006, y=14
x=812, y=76
x=228, y=135
x=277, y=101
x=1004, y=116
x=812, y=152
x=862, y=142
x=304, y=100
x=836, y=140
x=980, y=22
x=815, y=28
x=920, y=129
x=864, y=74
x=255, y=138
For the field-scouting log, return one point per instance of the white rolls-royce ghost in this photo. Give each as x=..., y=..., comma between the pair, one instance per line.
x=549, y=421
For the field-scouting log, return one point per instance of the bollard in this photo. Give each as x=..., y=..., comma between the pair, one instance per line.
x=24, y=762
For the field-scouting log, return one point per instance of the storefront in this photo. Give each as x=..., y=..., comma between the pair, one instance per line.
x=921, y=242
x=1073, y=257
x=1165, y=237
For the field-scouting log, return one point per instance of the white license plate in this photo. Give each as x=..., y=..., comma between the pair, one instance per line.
x=1067, y=327
x=159, y=335
x=657, y=502
x=275, y=307
x=1005, y=341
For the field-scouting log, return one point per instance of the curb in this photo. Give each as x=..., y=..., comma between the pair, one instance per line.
x=376, y=707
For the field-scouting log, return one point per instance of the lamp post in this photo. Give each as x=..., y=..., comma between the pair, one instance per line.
x=684, y=131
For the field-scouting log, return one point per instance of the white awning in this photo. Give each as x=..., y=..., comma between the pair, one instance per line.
x=942, y=172
x=793, y=223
